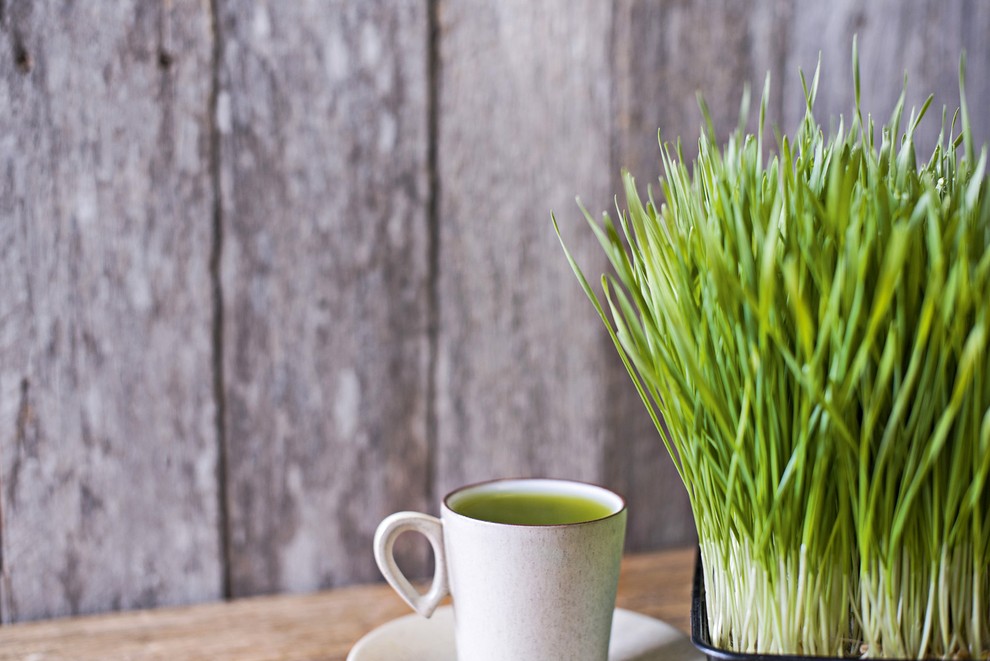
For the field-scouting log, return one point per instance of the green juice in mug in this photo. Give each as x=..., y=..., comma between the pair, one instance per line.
x=531, y=509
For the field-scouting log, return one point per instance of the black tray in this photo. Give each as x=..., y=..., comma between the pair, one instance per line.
x=702, y=638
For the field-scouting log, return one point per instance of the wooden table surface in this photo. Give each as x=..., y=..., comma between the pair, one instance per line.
x=322, y=626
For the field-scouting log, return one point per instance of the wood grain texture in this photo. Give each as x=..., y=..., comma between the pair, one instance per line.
x=523, y=127
x=319, y=627
x=382, y=340
x=316, y=627
x=324, y=270
x=921, y=39
x=107, y=428
x=669, y=51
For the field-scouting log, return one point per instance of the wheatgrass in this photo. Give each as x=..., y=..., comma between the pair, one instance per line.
x=808, y=330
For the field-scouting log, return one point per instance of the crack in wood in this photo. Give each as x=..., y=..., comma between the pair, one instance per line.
x=433, y=247
x=25, y=417
x=25, y=443
x=22, y=59
x=216, y=251
x=8, y=23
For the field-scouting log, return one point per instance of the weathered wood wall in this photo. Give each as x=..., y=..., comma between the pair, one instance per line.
x=107, y=408
x=269, y=271
x=324, y=273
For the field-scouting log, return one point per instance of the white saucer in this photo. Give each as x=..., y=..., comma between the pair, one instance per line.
x=635, y=637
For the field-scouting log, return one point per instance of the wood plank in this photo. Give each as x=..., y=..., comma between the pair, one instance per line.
x=666, y=51
x=669, y=51
x=319, y=627
x=659, y=585
x=107, y=427
x=920, y=38
x=325, y=269
x=523, y=128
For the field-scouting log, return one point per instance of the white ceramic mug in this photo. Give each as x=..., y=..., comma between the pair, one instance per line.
x=520, y=592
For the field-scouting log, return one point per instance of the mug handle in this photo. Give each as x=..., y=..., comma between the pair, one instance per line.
x=431, y=528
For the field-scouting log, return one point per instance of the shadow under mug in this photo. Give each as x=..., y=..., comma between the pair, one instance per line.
x=520, y=591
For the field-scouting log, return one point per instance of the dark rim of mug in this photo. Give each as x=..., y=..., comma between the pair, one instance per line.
x=483, y=483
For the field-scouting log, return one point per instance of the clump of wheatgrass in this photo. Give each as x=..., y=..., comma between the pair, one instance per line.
x=808, y=331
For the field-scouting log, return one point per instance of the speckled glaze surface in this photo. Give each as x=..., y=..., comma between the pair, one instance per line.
x=520, y=592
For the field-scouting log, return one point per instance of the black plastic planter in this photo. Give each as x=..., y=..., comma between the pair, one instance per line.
x=701, y=637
